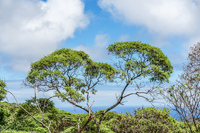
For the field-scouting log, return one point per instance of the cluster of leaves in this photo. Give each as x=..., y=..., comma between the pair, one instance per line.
x=138, y=58
x=69, y=74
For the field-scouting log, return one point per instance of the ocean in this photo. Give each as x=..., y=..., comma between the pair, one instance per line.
x=119, y=109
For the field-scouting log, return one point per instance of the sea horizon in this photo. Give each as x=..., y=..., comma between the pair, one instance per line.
x=119, y=109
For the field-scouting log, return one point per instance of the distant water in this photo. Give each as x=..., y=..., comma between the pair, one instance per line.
x=119, y=109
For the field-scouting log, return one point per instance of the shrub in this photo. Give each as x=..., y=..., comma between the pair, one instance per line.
x=146, y=120
x=3, y=117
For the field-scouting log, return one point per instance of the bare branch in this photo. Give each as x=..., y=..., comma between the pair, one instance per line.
x=41, y=122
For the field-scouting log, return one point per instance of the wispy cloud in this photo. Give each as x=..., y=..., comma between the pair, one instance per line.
x=163, y=18
x=98, y=50
x=30, y=29
x=123, y=38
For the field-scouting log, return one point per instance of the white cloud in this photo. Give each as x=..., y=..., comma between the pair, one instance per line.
x=162, y=18
x=30, y=29
x=105, y=96
x=166, y=17
x=190, y=43
x=110, y=95
x=98, y=50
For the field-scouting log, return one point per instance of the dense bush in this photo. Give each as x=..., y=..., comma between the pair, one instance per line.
x=2, y=90
x=146, y=120
x=19, y=120
x=63, y=120
x=3, y=117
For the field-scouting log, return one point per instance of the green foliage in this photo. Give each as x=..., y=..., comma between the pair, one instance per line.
x=69, y=73
x=146, y=120
x=60, y=121
x=44, y=103
x=3, y=117
x=91, y=127
x=27, y=123
x=106, y=129
x=20, y=121
x=70, y=130
x=20, y=113
x=63, y=120
x=108, y=116
x=141, y=59
x=40, y=130
x=94, y=69
x=57, y=69
x=2, y=90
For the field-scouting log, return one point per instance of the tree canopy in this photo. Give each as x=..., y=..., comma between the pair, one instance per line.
x=69, y=74
x=140, y=59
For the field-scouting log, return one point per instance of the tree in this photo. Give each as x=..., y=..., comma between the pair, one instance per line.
x=136, y=61
x=46, y=106
x=71, y=73
x=44, y=103
x=184, y=95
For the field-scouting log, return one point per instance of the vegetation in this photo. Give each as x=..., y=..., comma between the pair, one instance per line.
x=72, y=76
x=141, y=120
x=2, y=90
x=147, y=120
x=184, y=96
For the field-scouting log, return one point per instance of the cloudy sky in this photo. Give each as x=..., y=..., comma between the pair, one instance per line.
x=31, y=29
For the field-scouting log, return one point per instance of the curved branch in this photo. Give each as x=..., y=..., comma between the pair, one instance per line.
x=47, y=127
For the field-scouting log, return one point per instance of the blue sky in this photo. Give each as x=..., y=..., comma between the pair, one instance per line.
x=31, y=29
